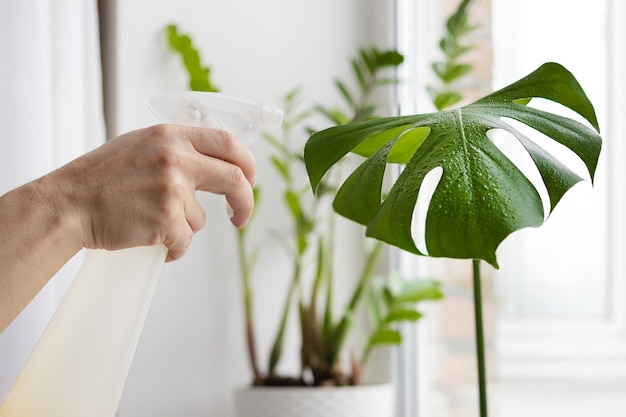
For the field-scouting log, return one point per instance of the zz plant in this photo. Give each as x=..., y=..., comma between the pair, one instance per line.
x=481, y=196
x=453, y=46
x=323, y=330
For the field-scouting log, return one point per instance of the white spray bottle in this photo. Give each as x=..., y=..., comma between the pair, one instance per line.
x=80, y=364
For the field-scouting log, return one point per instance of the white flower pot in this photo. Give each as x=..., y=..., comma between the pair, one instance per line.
x=372, y=400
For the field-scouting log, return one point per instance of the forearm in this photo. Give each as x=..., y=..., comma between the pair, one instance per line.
x=135, y=190
x=39, y=233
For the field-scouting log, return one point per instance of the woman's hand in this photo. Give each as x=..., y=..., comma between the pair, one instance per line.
x=135, y=190
x=139, y=189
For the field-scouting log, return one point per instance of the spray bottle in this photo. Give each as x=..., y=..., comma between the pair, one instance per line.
x=79, y=365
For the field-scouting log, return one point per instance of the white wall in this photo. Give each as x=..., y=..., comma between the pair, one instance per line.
x=192, y=354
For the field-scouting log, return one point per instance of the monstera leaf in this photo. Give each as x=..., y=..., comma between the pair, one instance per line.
x=482, y=195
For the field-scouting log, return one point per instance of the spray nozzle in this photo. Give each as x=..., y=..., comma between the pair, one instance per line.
x=240, y=116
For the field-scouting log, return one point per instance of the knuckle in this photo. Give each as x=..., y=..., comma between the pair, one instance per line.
x=225, y=140
x=236, y=176
x=168, y=158
x=165, y=148
x=160, y=131
x=168, y=184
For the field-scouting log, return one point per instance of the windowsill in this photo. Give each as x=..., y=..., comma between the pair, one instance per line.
x=551, y=398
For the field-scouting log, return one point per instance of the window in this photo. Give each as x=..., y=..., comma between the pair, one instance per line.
x=558, y=335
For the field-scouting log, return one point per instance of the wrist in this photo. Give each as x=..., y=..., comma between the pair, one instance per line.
x=55, y=202
x=39, y=232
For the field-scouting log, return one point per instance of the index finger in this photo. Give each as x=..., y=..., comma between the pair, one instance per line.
x=223, y=145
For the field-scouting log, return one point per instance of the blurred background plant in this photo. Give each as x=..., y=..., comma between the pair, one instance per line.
x=311, y=242
x=451, y=68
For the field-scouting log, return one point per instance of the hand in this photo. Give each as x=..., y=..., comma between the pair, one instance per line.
x=139, y=189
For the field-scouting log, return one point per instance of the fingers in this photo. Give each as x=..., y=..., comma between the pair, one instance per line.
x=178, y=241
x=182, y=228
x=194, y=214
x=140, y=188
x=222, y=165
x=228, y=168
x=220, y=177
x=223, y=145
x=240, y=207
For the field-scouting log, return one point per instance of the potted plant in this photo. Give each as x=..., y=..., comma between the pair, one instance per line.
x=321, y=345
x=481, y=196
x=323, y=331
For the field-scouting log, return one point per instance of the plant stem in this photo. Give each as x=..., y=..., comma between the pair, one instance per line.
x=480, y=339
x=341, y=330
x=368, y=272
x=244, y=264
x=277, y=346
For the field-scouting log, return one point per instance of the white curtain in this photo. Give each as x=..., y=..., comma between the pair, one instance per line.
x=50, y=112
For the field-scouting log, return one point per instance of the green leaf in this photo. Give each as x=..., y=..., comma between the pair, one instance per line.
x=387, y=81
x=369, y=59
x=449, y=72
x=403, y=315
x=460, y=50
x=390, y=59
x=345, y=93
x=280, y=166
x=458, y=21
x=293, y=202
x=327, y=321
x=439, y=68
x=366, y=113
x=299, y=117
x=388, y=297
x=416, y=291
x=373, y=305
x=481, y=197
x=358, y=74
x=292, y=94
x=385, y=337
x=276, y=144
x=338, y=337
x=199, y=75
x=456, y=71
x=446, y=99
x=335, y=116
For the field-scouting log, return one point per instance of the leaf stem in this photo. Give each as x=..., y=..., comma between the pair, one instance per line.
x=244, y=265
x=340, y=331
x=277, y=346
x=480, y=338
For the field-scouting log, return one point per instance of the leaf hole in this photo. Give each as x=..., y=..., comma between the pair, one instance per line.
x=425, y=195
x=515, y=151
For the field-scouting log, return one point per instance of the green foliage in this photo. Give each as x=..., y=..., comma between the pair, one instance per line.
x=199, y=75
x=453, y=47
x=301, y=208
x=247, y=260
x=482, y=196
x=323, y=335
x=393, y=302
x=368, y=70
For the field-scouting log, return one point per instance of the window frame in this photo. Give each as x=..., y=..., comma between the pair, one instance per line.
x=604, y=352
x=584, y=348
